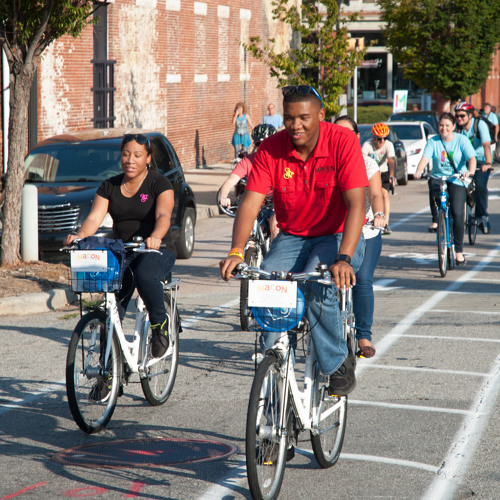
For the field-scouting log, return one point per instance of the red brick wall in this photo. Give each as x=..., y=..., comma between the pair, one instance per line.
x=158, y=52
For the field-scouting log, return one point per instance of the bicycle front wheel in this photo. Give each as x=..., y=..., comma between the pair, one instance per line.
x=327, y=436
x=441, y=241
x=251, y=258
x=91, y=383
x=266, y=443
x=471, y=226
x=158, y=382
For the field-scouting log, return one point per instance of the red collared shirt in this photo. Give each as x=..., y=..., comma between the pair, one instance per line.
x=308, y=197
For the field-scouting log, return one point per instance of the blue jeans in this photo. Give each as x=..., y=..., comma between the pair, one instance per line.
x=302, y=254
x=481, y=180
x=145, y=271
x=362, y=293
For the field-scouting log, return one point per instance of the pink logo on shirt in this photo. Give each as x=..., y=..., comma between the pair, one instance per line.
x=144, y=197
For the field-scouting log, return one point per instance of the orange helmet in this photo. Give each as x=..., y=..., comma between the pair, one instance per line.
x=380, y=130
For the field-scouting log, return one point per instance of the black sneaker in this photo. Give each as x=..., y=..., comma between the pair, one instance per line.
x=159, y=339
x=343, y=381
x=101, y=391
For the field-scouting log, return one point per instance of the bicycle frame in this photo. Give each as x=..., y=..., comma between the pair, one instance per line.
x=444, y=206
x=308, y=414
x=135, y=350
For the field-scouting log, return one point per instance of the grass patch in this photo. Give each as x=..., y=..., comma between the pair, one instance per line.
x=372, y=114
x=69, y=316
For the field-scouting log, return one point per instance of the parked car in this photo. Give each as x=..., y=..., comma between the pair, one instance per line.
x=401, y=173
x=431, y=117
x=67, y=170
x=414, y=136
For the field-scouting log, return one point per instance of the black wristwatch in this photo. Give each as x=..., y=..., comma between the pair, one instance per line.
x=344, y=257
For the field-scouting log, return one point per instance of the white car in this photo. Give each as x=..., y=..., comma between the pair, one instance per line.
x=414, y=136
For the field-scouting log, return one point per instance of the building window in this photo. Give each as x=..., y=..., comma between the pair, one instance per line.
x=103, y=89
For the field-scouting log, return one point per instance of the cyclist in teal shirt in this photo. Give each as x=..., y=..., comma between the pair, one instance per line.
x=449, y=153
x=482, y=144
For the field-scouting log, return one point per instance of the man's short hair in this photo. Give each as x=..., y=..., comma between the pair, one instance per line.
x=302, y=98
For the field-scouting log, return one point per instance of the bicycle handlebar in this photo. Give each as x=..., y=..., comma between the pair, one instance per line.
x=247, y=272
x=135, y=246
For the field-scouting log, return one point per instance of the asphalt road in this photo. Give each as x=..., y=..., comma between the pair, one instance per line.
x=422, y=423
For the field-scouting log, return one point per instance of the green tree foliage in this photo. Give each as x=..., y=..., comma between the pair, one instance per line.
x=444, y=45
x=319, y=52
x=27, y=28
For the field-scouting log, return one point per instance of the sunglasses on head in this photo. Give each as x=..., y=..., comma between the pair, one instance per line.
x=302, y=90
x=139, y=138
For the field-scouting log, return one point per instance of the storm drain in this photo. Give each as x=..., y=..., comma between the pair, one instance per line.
x=145, y=453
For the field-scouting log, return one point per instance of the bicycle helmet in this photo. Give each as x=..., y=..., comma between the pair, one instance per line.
x=261, y=132
x=380, y=130
x=464, y=106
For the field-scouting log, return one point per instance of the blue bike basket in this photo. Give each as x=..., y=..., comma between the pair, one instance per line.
x=100, y=281
x=280, y=319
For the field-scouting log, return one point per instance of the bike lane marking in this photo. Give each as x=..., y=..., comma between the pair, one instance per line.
x=454, y=466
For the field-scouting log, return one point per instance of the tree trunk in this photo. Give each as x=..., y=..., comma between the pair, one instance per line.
x=20, y=83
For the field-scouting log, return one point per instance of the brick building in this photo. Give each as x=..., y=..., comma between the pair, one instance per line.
x=176, y=66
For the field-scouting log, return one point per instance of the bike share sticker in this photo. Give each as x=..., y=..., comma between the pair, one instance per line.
x=262, y=293
x=92, y=261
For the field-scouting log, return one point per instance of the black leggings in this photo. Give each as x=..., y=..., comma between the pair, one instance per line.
x=458, y=195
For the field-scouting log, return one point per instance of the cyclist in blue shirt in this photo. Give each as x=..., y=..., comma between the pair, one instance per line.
x=450, y=153
x=482, y=144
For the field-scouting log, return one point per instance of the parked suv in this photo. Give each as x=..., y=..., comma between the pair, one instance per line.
x=67, y=170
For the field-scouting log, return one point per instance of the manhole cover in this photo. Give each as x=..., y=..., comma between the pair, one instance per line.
x=145, y=453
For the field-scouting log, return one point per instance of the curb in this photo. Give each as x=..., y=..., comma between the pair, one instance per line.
x=36, y=302
x=206, y=211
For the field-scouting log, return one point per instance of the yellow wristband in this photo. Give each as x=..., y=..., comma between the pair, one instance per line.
x=237, y=254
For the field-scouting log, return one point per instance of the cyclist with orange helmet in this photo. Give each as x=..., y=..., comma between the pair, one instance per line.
x=382, y=151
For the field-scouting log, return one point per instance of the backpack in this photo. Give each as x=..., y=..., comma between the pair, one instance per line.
x=491, y=127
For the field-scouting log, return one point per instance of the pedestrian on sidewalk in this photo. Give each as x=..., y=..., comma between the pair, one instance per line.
x=242, y=125
x=273, y=118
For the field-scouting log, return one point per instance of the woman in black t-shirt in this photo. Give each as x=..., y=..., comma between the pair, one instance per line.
x=140, y=202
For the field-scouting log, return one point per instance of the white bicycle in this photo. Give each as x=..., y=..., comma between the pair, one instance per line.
x=280, y=407
x=99, y=352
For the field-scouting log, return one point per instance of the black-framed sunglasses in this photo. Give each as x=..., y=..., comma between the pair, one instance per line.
x=379, y=139
x=139, y=138
x=302, y=90
x=461, y=116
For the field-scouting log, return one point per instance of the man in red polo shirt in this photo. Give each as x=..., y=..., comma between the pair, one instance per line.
x=318, y=177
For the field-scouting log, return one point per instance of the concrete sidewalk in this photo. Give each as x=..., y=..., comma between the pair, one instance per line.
x=205, y=182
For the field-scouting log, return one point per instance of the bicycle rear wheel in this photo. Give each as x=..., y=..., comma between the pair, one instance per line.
x=327, y=436
x=441, y=242
x=251, y=258
x=161, y=372
x=266, y=444
x=471, y=225
x=86, y=373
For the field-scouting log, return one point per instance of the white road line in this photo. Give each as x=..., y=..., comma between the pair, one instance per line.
x=489, y=313
x=427, y=370
x=455, y=464
x=192, y=320
x=376, y=459
x=432, y=409
x=461, y=339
